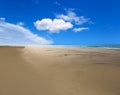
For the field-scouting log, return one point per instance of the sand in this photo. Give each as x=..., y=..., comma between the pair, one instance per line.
x=48, y=70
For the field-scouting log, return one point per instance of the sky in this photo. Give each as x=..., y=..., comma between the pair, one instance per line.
x=59, y=22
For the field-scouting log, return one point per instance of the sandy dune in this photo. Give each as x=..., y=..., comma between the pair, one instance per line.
x=48, y=70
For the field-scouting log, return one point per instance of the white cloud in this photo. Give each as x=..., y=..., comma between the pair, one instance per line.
x=57, y=3
x=20, y=23
x=12, y=34
x=72, y=17
x=54, y=26
x=2, y=19
x=80, y=29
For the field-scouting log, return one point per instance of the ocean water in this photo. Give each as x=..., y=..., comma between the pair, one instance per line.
x=93, y=46
x=106, y=46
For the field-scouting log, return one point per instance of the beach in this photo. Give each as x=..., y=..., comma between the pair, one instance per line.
x=57, y=70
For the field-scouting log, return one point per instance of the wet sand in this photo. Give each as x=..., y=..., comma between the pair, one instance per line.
x=48, y=70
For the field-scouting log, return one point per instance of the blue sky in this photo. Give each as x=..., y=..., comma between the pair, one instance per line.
x=60, y=22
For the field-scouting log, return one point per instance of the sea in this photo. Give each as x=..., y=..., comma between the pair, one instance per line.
x=92, y=46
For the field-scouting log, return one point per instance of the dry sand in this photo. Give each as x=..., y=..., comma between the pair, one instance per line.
x=47, y=70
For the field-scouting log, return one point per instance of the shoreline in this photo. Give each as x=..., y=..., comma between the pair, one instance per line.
x=62, y=46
